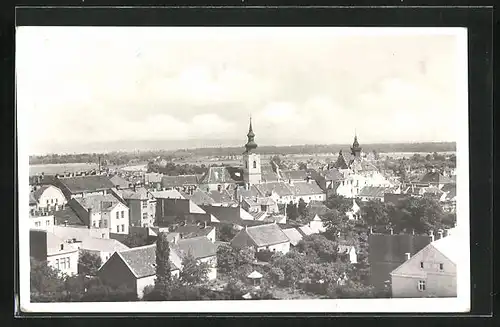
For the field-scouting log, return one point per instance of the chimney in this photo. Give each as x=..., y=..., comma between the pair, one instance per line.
x=440, y=234
x=431, y=234
x=407, y=254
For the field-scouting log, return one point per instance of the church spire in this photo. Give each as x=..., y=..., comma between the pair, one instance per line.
x=355, y=149
x=251, y=145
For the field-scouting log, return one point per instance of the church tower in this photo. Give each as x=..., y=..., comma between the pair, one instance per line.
x=356, y=149
x=251, y=160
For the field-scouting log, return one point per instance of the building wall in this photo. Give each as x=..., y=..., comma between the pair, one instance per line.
x=317, y=226
x=282, y=247
x=38, y=245
x=42, y=222
x=311, y=197
x=66, y=263
x=122, y=223
x=439, y=283
x=51, y=198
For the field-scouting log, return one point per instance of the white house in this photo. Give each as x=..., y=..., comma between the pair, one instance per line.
x=431, y=272
x=49, y=198
x=262, y=237
x=59, y=254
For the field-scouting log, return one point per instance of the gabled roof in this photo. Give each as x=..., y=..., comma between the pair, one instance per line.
x=170, y=194
x=200, y=247
x=142, y=260
x=119, y=182
x=294, y=235
x=199, y=197
x=265, y=235
x=259, y=215
x=190, y=231
x=218, y=175
x=221, y=197
x=280, y=188
x=178, y=181
x=32, y=199
x=255, y=274
x=98, y=203
x=448, y=247
x=38, y=192
x=91, y=183
x=332, y=174
x=103, y=245
x=435, y=177
x=269, y=176
x=294, y=175
x=139, y=194
x=67, y=215
x=252, y=192
x=373, y=191
x=305, y=230
x=305, y=188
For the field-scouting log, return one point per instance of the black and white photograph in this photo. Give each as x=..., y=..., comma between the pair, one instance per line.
x=243, y=169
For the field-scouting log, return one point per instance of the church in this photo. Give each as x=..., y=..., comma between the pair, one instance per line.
x=250, y=181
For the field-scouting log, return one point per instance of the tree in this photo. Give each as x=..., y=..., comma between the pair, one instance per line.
x=419, y=214
x=193, y=272
x=229, y=258
x=89, y=263
x=318, y=248
x=293, y=265
x=302, y=208
x=291, y=211
x=227, y=233
x=135, y=239
x=163, y=275
x=375, y=213
x=46, y=285
x=339, y=203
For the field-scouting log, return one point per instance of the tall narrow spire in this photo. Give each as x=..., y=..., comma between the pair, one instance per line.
x=251, y=145
x=355, y=149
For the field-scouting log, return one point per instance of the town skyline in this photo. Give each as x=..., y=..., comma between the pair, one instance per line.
x=111, y=85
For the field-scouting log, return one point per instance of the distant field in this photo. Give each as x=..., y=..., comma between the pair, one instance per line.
x=52, y=169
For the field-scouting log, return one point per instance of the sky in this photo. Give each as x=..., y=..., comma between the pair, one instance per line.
x=82, y=85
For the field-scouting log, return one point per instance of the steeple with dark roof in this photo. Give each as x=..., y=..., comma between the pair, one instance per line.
x=356, y=149
x=251, y=145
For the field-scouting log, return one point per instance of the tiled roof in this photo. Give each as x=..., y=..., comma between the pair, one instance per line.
x=177, y=181
x=199, y=247
x=373, y=191
x=259, y=215
x=221, y=197
x=280, y=188
x=54, y=242
x=194, y=208
x=217, y=175
x=79, y=233
x=293, y=235
x=199, y=197
x=223, y=214
x=320, y=210
x=38, y=192
x=190, y=231
x=305, y=188
x=294, y=175
x=142, y=260
x=67, y=215
x=435, y=177
x=119, y=182
x=103, y=245
x=170, y=194
x=250, y=193
x=139, y=194
x=432, y=190
x=305, y=230
x=90, y=183
x=265, y=235
x=269, y=176
x=98, y=203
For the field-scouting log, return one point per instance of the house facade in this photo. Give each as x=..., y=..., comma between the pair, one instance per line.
x=48, y=198
x=142, y=206
x=59, y=254
x=431, y=272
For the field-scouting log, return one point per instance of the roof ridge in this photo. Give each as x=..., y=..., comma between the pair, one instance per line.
x=138, y=247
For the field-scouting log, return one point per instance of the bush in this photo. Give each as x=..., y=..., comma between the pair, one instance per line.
x=264, y=255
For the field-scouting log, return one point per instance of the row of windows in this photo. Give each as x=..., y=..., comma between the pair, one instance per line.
x=118, y=228
x=118, y=214
x=51, y=201
x=100, y=223
x=63, y=263
x=441, y=266
x=39, y=223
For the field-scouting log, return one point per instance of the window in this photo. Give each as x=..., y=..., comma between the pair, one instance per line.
x=421, y=264
x=255, y=164
x=117, y=229
x=56, y=200
x=94, y=223
x=57, y=263
x=51, y=201
x=246, y=164
x=37, y=224
x=145, y=215
x=441, y=266
x=144, y=204
x=123, y=214
x=117, y=215
x=103, y=235
x=105, y=222
x=47, y=222
x=100, y=223
x=68, y=262
x=123, y=228
x=421, y=285
x=62, y=246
